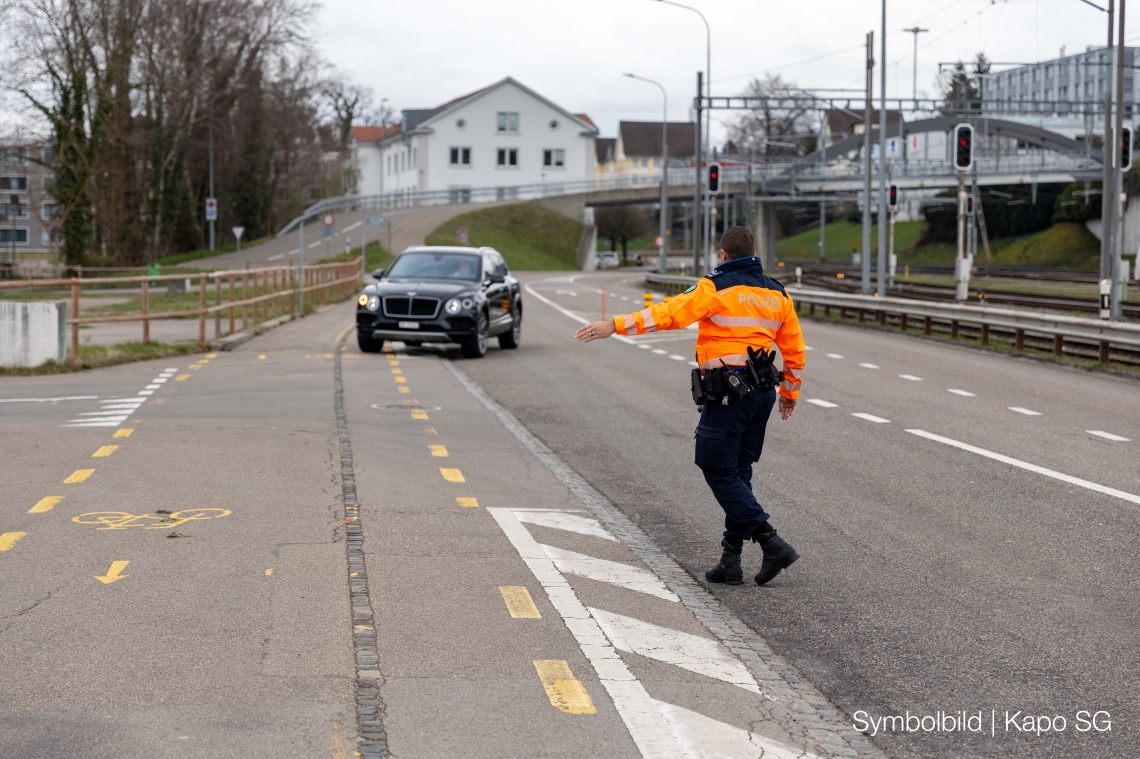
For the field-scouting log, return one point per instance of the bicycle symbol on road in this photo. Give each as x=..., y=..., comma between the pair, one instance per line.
x=121, y=520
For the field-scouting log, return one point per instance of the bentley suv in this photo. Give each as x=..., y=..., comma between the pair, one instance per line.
x=441, y=295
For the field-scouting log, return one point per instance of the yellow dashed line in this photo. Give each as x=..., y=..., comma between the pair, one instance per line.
x=439, y=451
x=182, y=377
x=468, y=503
x=403, y=389
x=79, y=475
x=393, y=362
x=211, y=355
x=430, y=431
x=45, y=504
x=105, y=450
x=8, y=539
x=452, y=475
x=419, y=413
x=269, y=572
x=261, y=357
x=397, y=371
x=565, y=692
x=195, y=366
x=125, y=432
x=400, y=380
x=519, y=603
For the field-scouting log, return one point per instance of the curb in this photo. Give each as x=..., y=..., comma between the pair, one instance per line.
x=229, y=342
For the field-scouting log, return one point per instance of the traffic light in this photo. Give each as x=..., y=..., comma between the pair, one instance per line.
x=970, y=205
x=893, y=197
x=963, y=147
x=1126, y=149
x=714, y=178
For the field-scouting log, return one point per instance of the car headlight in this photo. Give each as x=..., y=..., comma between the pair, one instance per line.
x=452, y=306
x=373, y=302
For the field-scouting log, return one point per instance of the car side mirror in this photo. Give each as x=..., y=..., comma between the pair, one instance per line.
x=496, y=278
x=378, y=274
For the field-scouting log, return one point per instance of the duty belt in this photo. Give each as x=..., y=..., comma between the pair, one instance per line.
x=720, y=384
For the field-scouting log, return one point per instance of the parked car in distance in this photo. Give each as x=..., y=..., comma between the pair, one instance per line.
x=441, y=295
x=608, y=260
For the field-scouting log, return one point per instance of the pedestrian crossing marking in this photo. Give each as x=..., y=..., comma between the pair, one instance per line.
x=104, y=450
x=452, y=475
x=125, y=432
x=467, y=503
x=46, y=503
x=79, y=475
x=8, y=539
x=439, y=451
x=565, y=692
x=519, y=603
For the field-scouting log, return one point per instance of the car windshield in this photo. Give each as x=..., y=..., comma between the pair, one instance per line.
x=435, y=266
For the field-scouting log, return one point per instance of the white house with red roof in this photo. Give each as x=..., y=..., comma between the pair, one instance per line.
x=501, y=136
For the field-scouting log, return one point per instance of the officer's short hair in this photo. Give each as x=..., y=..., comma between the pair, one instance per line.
x=737, y=242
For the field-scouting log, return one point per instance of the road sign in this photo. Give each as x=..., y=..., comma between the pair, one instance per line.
x=328, y=232
x=238, y=232
x=328, y=220
x=461, y=234
x=211, y=209
x=374, y=220
x=659, y=241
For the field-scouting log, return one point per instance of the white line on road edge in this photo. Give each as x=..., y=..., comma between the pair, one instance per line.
x=1029, y=467
x=1026, y=411
x=963, y=393
x=571, y=314
x=822, y=403
x=350, y=227
x=1109, y=436
x=50, y=400
x=869, y=366
x=910, y=377
x=833, y=355
x=809, y=710
x=872, y=418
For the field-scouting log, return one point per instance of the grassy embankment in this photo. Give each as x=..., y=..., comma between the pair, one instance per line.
x=528, y=236
x=95, y=356
x=1064, y=245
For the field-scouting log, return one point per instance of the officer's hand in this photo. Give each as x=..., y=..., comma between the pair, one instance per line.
x=595, y=331
x=787, y=408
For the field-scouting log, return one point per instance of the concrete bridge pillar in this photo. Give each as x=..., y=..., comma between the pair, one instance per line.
x=764, y=230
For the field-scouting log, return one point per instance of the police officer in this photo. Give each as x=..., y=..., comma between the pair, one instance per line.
x=741, y=313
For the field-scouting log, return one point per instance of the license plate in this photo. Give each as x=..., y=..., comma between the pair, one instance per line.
x=409, y=325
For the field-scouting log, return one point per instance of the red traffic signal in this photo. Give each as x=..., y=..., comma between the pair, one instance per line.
x=893, y=197
x=963, y=147
x=970, y=205
x=714, y=178
x=1126, y=149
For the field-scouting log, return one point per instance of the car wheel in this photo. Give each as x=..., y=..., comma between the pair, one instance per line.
x=476, y=345
x=367, y=344
x=510, y=339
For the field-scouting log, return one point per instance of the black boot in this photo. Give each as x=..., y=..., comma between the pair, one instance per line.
x=778, y=555
x=728, y=570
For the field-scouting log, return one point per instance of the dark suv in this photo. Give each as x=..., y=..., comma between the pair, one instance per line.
x=441, y=295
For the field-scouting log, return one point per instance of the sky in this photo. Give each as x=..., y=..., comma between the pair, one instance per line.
x=423, y=53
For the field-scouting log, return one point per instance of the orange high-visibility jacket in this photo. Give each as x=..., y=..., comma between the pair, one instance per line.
x=736, y=306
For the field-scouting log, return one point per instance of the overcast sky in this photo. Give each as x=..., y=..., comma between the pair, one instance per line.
x=425, y=52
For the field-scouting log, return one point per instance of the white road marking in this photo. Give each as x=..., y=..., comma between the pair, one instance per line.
x=808, y=348
x=1109, y=436
x=646, y=723
x=562, y=520
x=615, y=573
x=823, y=403
x=153, y=386
x=872, y=418
x=676, y=357
x=146, y=392
x=646, y=347
x=294, y=252
x=1026, y=411
x=103, y=423
x=694, y=364
x=833, y=355
x=692, y=652
x=117, y=412
x=963, y=393
x=910, y=377
x=50, y=400
x=869, y=366
x=660, y=352
x=315, y=244
x=566, y=292
x=571, y=314
x=276, y=257
x=1029, y=467
x=706, y=737
x=350, y=227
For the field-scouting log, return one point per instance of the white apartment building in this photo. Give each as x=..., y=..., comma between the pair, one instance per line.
x=501, y=136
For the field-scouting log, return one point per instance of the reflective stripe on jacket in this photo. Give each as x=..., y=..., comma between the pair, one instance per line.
x=736, y=307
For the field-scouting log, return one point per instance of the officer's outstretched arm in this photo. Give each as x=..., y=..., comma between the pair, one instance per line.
x=677, y=313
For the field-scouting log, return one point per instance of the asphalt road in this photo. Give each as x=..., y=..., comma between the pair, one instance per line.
x=496, y=557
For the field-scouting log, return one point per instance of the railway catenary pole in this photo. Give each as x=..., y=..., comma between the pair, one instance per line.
x=1107, y=208
x=1118, y=185
x=881, y=263
x=865, y=287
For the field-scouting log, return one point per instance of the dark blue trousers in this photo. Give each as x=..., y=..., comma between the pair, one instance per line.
x=729, y=441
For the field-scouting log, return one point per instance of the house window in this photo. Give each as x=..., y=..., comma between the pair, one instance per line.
x=553, y=157
x=48, y=155
x=508, y=121
x=19, y=184
x=508, y=157
x=461, y=156
x=19, y=235
x=49, y=182
x=49, y=210
x=17, y=210
x=48, y=236
x=13, y=155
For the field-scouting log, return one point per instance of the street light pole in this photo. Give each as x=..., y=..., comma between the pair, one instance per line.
x=707, y=238
x=915, y=30
x=664, y=225
x=865, y=286
x=881, y=266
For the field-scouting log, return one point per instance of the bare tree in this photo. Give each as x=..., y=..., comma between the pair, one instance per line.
x=782, y=125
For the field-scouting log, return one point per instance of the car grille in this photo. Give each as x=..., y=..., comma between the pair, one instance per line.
x=421, y=307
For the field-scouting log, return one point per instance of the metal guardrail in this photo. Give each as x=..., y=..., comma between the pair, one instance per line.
x=1059, y=327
